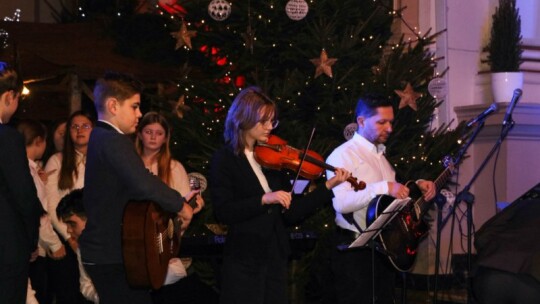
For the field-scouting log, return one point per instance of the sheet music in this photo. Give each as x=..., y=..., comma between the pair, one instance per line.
x=375, y=228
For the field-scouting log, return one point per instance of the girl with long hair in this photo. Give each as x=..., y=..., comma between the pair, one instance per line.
x=66, y=171
x=257, y=205
x=152, y=144
x=67, y=167
x=55, y=141
x=49, y=244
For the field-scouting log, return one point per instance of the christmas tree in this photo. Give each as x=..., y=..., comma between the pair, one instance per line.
x=315, y=68
x=314, y=58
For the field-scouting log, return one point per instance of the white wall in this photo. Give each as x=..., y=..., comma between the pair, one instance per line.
x=468, y=33
x=529, y=10
x=469, y=90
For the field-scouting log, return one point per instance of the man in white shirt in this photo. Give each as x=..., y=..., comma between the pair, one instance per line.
x=363, y=156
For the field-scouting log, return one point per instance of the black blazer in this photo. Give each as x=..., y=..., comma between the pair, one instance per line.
x=236, y=197
x=20, y=208
x=114, y=175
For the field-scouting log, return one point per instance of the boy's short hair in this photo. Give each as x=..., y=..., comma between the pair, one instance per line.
x=71, y=204
x=118, y=85
x=9, y=79
x=31, y=129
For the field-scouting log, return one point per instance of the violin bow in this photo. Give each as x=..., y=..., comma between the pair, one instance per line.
x=302, y=160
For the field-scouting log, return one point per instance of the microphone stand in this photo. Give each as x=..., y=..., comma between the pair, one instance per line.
x=440, y=205
x=440, y=200
x=467, y=197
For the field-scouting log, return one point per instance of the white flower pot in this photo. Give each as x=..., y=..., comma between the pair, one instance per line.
x=503, y=85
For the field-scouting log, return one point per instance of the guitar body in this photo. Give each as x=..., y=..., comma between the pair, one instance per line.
x=150, y=238
x=401, y=236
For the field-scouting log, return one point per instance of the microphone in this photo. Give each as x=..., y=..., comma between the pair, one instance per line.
x=511, y=106
x=197, y=181
x=492, y=108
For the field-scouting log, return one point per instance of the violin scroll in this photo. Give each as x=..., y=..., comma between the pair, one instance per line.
x=357, y=185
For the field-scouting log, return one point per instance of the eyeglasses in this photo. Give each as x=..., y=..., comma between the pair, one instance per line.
x=274, y=123
x=83, y=127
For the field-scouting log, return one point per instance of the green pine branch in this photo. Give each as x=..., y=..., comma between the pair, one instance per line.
x=504, y=47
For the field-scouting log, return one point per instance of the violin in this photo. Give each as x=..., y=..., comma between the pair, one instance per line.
x=276, y=154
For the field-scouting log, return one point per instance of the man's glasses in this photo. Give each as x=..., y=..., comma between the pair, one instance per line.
x=84, y=126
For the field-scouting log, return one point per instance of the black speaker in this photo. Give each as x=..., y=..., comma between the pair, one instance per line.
x=509, y=241
x=533, y=193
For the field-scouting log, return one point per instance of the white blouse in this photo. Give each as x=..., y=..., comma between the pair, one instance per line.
x=48, y=239
x=54, y=194
x=179, y=178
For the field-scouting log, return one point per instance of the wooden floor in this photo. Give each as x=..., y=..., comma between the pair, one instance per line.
x=451, y=289
x=450, y=296
x=419, y=289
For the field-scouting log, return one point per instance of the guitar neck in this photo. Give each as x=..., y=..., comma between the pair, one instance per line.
x=441, y=180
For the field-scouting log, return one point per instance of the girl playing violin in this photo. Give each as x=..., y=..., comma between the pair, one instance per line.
x=257, y=205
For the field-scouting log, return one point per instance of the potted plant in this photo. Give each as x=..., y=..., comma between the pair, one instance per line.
x=505, y=50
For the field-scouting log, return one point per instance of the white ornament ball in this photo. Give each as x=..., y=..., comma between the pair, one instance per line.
x=197, y=179
x=349, y=130
x=437, y=88
x=219, y=10
x=297, y=9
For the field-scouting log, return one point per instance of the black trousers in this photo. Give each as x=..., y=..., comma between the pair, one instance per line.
x=40, y=280
x=13, y=282
x=357, y=272
x=64, y=278
x=188, y=290
x=252, y=280
x=492, y=286
x=112, y=286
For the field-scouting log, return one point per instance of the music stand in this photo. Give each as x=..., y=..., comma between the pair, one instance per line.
x=370, y=233
x=380, y=222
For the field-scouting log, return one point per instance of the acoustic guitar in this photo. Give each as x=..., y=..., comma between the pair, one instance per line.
x=150, y=238
x=401, y=236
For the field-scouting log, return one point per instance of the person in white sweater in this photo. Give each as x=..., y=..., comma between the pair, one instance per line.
x=67, y=169
x=153, y=145
x=49, y=243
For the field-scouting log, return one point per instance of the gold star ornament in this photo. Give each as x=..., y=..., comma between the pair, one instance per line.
x=408, y=97
x=323, y=64
x=183, y=37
